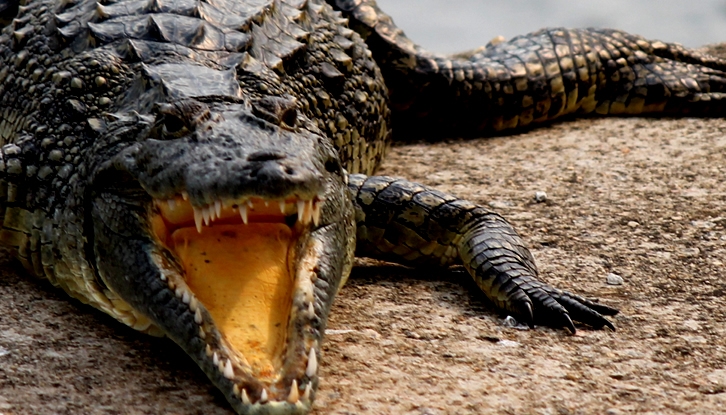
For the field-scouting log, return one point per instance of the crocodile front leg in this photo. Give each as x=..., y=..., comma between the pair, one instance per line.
x=412, y=224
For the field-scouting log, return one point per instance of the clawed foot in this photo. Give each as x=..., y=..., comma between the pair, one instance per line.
x=543, y=304
x=504, y=269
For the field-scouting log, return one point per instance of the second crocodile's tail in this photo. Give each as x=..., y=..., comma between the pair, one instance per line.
x=536, y=78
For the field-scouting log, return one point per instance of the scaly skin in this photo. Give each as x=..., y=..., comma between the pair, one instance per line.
x=128, y=124
x=535, y=78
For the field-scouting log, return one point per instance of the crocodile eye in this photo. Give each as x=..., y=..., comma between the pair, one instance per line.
x=289, y=117
x=173, y=126
x=333, y=165
x=280, y=111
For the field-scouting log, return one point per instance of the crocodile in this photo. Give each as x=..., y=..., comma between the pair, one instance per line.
x=204, y=169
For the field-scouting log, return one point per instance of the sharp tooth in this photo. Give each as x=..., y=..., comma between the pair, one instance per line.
x=308, y=391
x=218, y=208
x=205, y=215
x=243, y=213
x=202, y=334
x=294, y=395
x=215, y=359
x=185, y=195
x=244, y=360
x=198, y=218
x=316, y=212
x=308, y=211
x=193, y=304
x=312, y=364
x=235, y=390
x=245, y=398
x=208, y=350
x=263, y=396
x=171, y=203
x=267, y=203
x=198, y=317
x=282, y=207
x=249, y=203
x=186, y=298
x=311, y=310
x=228, y=371
x=179, y=291
x=301, y=211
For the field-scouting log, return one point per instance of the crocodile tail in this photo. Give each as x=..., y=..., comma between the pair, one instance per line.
x=536, y=78
x=546, y=75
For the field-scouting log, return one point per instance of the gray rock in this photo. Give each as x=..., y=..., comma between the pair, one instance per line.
x=540, y=196
x=614, y=279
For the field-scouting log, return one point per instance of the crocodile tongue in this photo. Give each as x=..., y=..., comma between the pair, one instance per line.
x=241, y=275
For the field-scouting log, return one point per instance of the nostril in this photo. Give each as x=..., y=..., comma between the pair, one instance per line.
x=333, y=166
x=265, y=155
x=274, y=170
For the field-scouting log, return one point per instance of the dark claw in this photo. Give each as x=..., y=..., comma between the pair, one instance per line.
x=586, y=311
x=529, y=316
x=568, y=324
x=505, y=270
x=557, y=308
x=595, y=306
x=603, y=309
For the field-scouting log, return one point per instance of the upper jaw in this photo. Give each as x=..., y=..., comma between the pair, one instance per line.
x=232, y=159
x=208, y=174
x=247, y=209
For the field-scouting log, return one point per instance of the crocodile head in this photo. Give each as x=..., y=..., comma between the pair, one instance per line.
x=227, y=225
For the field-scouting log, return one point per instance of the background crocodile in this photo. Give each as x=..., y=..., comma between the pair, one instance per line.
x=168, y=149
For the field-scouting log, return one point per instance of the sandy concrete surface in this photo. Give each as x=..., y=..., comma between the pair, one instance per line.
x=641, y=198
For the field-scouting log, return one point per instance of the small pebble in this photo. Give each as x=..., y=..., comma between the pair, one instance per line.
x=540, y=196
x=510, y=321
x=614, y=279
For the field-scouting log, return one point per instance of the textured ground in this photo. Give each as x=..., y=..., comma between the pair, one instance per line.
x=641, y=198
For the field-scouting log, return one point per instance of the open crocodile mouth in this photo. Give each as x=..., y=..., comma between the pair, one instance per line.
x=250, y=263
